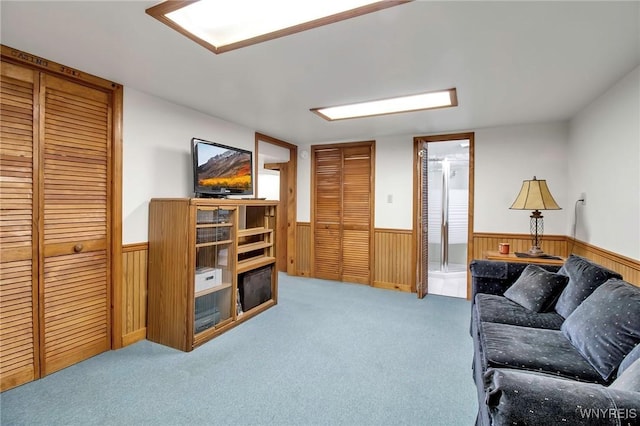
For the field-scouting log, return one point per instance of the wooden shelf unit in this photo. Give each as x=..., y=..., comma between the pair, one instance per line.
x=198, y=250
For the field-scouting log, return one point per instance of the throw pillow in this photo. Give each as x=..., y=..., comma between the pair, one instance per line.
x=630, y=379
x=606, y=326
x=584, y=277
x=536, y=289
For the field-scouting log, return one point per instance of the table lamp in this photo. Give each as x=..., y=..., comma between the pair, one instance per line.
x=535, y=195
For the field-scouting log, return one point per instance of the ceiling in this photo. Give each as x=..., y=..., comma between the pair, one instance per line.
x=511, y=62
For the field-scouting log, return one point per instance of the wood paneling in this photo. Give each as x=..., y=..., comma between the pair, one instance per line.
x=393, y=249
x=134, y=293
x=560, y=245
x=303, y=249
x=551, y=244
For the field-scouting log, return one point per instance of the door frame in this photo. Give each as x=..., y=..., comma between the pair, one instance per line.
x=416, y=267
x=291, y=206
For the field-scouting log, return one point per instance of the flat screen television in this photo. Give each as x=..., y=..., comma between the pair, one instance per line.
x=220, y=170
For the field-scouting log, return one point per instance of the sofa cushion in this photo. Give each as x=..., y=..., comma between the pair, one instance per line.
x=525, y=398
x=584, y=277
x=533, y=349
x=631, y=357
x=536, y=289
x=606, y=326
x=630, y=379
x=492, y=308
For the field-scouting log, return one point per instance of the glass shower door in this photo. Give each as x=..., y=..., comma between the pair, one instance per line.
x=448, y=186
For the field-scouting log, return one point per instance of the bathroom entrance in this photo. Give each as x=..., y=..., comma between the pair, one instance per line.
x=444, y=168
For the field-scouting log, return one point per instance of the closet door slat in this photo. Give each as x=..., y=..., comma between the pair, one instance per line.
x=18, y=306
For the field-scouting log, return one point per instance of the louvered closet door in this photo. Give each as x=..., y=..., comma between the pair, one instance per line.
x=356, y=214
x=75, y=280
x=327, y=243
x=18, y=308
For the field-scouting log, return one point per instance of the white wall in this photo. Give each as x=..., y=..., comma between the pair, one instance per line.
x=506, y=156
x=604, y=152
x=269, y=184
x=597, y=153
x=157, y=154
x=393, y=176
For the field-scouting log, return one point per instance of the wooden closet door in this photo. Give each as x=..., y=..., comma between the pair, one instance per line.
x=357, y=202
x=327, y=234
x=343, y=212
x=18, y=264
x=75, y=277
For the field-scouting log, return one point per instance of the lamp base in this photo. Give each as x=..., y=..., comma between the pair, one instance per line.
x=535, y=251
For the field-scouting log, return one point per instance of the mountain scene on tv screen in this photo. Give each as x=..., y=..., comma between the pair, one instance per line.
x=231, y=170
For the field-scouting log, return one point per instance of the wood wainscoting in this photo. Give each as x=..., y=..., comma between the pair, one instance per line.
x=134, y=292
x=483, y=241
x=560, y=245
x=303, y=249
x=392, y=270
x=392, y=257
x=392, y=261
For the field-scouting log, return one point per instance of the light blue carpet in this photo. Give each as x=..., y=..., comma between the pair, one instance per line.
x=329, y=353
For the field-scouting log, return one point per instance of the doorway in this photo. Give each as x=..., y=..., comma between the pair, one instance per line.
x=444, y=216
x=276, y=171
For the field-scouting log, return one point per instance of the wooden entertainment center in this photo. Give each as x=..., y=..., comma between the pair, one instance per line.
x=211, y=267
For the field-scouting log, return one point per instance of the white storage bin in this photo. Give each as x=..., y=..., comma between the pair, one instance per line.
x=207, y=278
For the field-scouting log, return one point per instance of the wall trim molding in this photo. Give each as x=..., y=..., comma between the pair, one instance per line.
x=134, y=247
x=134, y=337
x=397, y=231
x=518, y=236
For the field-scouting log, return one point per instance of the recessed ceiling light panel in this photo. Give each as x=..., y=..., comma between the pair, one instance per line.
x=422, y=101
x=223, y=25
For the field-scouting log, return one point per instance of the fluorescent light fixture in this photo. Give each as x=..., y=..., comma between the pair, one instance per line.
x=223, y=25
x=422, y=101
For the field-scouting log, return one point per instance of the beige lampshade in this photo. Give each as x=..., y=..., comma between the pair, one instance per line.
x=535, y=195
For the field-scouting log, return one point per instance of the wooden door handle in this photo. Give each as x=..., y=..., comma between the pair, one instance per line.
x=78, y=248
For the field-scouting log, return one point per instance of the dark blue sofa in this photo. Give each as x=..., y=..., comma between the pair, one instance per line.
x=555, y=345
